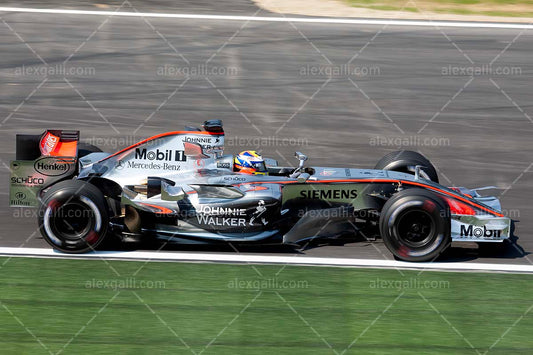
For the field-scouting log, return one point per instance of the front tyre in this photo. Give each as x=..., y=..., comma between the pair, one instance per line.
x=405, y=161
x=73, y=217
x=415, y=225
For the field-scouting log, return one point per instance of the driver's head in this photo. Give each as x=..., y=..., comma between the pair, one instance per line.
x=250, y=162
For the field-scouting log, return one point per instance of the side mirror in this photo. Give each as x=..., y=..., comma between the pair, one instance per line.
x=298, y=171
x=302, y=158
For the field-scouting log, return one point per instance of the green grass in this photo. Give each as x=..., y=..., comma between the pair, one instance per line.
x=459, y=11
x=202, y=304
x=506, y=8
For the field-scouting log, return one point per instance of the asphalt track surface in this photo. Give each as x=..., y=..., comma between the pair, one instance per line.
x=278, y=87
x=226, y=7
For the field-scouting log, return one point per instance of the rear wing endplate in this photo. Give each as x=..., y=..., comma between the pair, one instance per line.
x=41, y=160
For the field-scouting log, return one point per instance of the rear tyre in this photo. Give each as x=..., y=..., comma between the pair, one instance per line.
x=86, y=149
x=415, y=225
x=405, y=161
x=73, y=217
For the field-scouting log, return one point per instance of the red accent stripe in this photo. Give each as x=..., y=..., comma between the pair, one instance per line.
x=161, y=136
x=454, y=196
x=162, y=210
x=318, y=181
x=458, y=207
x=256, y=188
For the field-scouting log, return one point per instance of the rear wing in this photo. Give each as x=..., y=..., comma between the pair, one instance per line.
x=41, y=160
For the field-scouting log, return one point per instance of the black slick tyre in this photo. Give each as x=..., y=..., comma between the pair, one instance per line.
x=73, y=216
x=415, y=225
x=405, y=161
x=86, y=149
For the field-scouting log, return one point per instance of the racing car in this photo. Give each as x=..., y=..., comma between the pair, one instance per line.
x=179, y=187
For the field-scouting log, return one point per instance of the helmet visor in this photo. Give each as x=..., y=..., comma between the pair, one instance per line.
x=259, y=166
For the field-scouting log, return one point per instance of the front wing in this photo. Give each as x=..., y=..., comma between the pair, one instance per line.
x=481, y=228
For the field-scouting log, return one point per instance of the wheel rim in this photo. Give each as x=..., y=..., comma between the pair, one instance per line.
x=72, y=221
x=415, y=228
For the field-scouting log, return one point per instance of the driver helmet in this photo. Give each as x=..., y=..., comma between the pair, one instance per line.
x=250, y=162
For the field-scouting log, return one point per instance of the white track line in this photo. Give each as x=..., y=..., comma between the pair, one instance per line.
x=231, y=258
x=276, y=19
